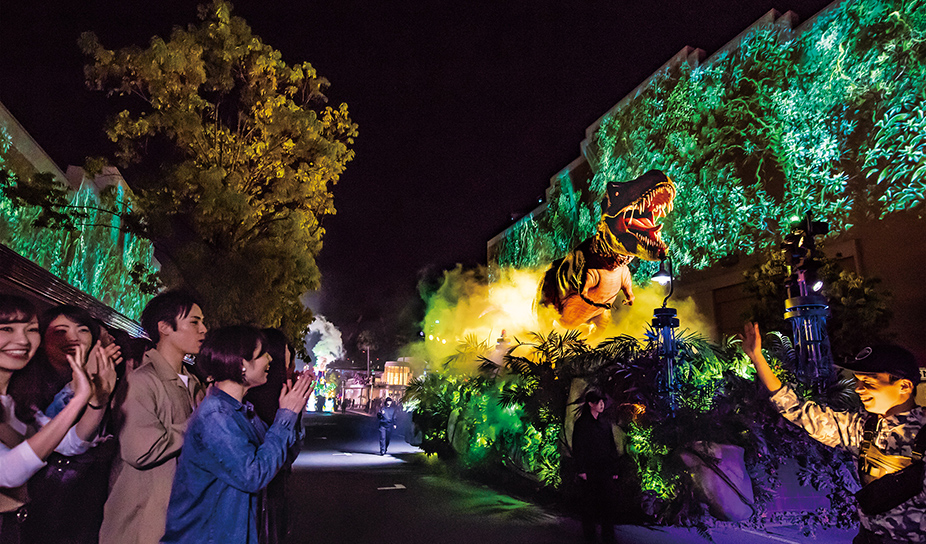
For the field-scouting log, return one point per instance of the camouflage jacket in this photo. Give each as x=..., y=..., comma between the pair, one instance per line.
x=895, y=436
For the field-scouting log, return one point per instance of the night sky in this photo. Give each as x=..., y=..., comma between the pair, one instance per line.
x=465, y=108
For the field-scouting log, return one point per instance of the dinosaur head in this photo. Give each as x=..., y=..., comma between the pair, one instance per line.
x=629, y=218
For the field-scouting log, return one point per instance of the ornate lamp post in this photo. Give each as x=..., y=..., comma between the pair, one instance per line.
x=665, y=321
x=805, y=308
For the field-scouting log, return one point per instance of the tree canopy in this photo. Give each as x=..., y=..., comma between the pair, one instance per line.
x=231, y=154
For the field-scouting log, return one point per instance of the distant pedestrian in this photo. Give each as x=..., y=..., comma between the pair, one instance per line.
x=597, y=464
x=386, y=416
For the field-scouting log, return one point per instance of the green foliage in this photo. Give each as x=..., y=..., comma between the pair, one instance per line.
x=516, y=418
x=85, y=248
x=830, y=120
x=231, y=154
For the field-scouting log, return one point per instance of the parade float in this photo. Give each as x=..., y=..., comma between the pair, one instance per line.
x=784, y=149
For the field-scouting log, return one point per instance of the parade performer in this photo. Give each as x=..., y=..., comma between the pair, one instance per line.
x=582, y=286
x=887, y=436
x=230, y=455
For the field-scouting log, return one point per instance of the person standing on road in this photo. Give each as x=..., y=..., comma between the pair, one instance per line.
x=387, y=423
x=597, y=465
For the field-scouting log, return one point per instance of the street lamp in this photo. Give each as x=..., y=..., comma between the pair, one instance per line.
x=665, y=321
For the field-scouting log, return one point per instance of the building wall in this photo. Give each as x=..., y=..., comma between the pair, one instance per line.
x=826, y=118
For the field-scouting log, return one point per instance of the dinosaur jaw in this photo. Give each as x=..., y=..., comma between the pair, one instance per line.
x=635, y=227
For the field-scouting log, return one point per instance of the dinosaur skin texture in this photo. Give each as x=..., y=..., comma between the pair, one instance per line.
x=582, y=286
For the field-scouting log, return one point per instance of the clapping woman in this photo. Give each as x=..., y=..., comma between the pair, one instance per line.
x=66, y=498
x=229, y=454
x=24, y=447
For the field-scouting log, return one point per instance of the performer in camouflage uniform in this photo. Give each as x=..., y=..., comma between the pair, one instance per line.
x=886, y=383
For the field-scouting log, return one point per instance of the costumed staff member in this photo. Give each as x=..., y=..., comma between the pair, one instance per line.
x=23, y=448
x=230, y=455
x=597, y=464
x=886, y=384
x=152, y=406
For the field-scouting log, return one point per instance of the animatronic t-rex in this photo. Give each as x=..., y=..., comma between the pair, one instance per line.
x=583, y=285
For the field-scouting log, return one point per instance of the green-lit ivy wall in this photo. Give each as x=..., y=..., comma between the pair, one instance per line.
x=830, y=120
x=95, y=257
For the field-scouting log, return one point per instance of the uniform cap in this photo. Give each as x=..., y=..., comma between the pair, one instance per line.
x=888, y=358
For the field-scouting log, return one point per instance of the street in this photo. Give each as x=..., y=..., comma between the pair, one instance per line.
x=343, y=491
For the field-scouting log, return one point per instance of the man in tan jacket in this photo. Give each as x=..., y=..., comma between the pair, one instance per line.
x=153, y=405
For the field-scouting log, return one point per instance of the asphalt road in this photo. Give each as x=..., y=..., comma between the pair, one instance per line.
x=342, y=491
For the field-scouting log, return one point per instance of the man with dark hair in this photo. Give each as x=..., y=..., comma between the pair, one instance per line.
x=597, y=466
x=887, y=436
x=153, y=405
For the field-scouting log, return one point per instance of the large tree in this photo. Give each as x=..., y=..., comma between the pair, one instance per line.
x=231, y=153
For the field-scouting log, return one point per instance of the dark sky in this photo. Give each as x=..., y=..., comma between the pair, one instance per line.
x=466, y=108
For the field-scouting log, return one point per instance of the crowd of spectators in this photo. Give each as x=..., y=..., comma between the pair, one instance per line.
x=112, y=439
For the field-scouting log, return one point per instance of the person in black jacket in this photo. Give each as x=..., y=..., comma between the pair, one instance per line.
x=387, y=423
x=597, y=460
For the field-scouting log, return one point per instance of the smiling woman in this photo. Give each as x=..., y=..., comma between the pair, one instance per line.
x=229, y=455
x=25, y=446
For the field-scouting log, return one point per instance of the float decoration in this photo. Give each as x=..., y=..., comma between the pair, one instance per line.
x=805, y=308
x=582, y=286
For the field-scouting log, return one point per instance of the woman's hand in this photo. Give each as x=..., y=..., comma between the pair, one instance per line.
x=294, y=396
x=101, y=367
x=80, y=382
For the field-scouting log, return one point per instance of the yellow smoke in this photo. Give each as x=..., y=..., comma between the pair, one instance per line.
x=466, y=306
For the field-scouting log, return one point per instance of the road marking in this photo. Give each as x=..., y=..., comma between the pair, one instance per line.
x=344, y=453
x=396, y=486
x=772, y=537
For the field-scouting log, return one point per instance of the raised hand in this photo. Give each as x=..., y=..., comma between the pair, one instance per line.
x=751, y=339
x=101, y=368
x=81, y=383
x=294, y=396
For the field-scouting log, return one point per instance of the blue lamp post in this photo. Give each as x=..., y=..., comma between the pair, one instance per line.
x=665, y=321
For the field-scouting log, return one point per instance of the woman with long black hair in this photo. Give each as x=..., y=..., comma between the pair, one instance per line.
x=274, y=526
x=67, y=496
x=24, y=447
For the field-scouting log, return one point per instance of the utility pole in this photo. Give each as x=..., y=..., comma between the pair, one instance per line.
x=370, y=379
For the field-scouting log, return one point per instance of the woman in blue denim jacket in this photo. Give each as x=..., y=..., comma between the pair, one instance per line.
x=228, y=454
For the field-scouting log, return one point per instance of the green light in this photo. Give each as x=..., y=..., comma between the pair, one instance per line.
x=797, y=116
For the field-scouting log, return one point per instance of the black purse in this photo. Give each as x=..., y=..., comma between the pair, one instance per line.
x=891, y=490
